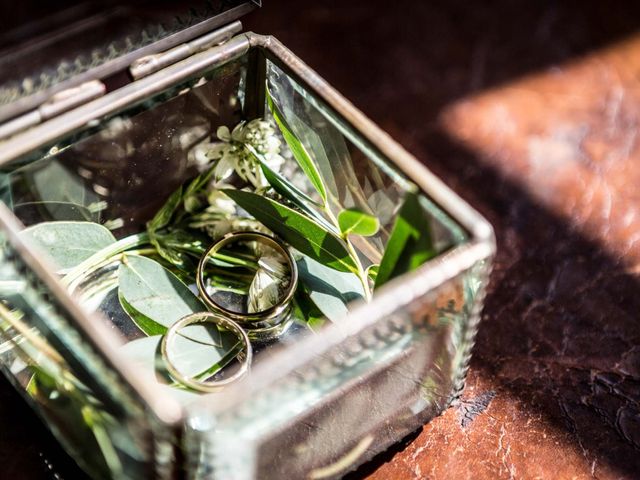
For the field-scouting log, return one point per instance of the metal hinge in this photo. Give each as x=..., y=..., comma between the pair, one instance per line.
x=76, y=96
x=152, y=63
x=57, y=104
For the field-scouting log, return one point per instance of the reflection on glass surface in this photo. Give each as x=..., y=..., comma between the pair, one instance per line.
x=338, y=405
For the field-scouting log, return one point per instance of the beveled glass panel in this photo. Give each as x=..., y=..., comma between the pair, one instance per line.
x=340, y=385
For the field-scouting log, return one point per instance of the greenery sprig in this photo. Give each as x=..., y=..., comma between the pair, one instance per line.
x=242, y=188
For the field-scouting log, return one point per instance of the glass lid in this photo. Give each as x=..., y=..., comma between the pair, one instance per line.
x=47, y=47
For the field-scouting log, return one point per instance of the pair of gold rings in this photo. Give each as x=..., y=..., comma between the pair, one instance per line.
x=251, y=325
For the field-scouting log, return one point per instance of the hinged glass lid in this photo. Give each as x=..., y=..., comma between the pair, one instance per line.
x=49, y=47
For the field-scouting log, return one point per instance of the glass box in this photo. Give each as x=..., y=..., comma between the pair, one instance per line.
x=319, y=401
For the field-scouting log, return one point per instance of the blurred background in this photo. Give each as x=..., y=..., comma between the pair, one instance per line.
x=530, y=111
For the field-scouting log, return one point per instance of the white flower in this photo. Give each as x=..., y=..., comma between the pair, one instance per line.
x=232, y=155
x=264, y=292
x=199, y=155
x=223, y=134
x=271, y=278
x=219, y=202
x=225, y=166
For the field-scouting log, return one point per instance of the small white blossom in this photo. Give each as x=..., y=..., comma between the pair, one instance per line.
x=198, y=156
x=232, y=155
x=269, y=282
x=264, y=292
x=219, y=202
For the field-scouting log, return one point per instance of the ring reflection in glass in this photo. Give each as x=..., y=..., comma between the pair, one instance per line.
x=250, y=278
x=244, y=356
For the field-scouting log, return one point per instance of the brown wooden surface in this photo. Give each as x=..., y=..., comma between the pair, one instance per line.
x=530, y=110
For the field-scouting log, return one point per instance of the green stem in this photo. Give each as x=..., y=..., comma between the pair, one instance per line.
x=237, y=260
x=234, y=260
x=143, y=252
x=361, y=272
x=225, y=274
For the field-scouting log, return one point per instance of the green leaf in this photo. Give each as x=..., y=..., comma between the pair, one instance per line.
x=163, y=216
x=68, y=243
x=55, y=211
x=56, y=183
x=149, y=326
x=353, y=221
x=297, y=149
x=66, y=405
x=297, y=230
x=306, y=311
x=153, y=296
x=289, y=191
x=174, y=257
x=198, y=183
x=332, y=291
x=328, y=148
x=410, y=244
x=180, y=247
x=372, y=271
x=192, y=358
x=191, y=197
x=279, y=183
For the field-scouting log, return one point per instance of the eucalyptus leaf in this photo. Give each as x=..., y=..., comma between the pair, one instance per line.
x=297, y=230
x=54, y=211
x=353, y=221
x=153, y=296
x=191, y=358
x=410, y=243
x=68, y=243
x=54, y=182
x=330, y=290
x=148, y=325
x=297, y=149
x=60, y=193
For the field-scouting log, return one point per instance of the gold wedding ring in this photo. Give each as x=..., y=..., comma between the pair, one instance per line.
x=260, y=325
x=209, y=386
